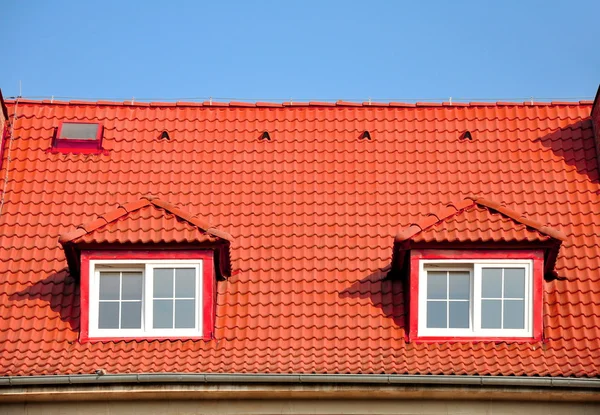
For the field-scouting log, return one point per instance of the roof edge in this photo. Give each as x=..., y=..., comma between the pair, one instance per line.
x=93, y=379
x=3, y=106
x=596, y=102
x=338, y=103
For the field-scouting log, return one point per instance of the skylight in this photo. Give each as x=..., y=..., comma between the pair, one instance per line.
x=78, y=137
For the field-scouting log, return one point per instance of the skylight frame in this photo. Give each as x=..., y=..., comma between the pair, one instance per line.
x=74, y=145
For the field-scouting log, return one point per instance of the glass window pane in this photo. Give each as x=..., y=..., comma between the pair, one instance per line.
x=436, y=314
x=109, y=285
x=132, y=286
x=514, y=314
x=460, y=285
x=491, y=314
x=491, y=284
x=185, y=282
x=77, y=131
x=108, y=315
x=163, y=282
x=514, y=282
x=185, y=314
x=131, y=315
x=459, y=314
x=162, y=314
x=436, y=284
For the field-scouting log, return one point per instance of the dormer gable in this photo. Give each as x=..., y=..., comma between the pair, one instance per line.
x=147, y=270
x=477, y=222
x=148, y=221
x=475, y=271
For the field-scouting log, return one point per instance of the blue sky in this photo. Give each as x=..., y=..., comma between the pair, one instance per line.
x=303, y=50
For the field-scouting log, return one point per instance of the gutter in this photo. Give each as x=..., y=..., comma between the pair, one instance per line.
x=459, y=380
x=269, y=387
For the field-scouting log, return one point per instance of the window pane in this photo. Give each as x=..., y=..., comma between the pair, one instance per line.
x=459, y=314
x=185, y=282
x=460, y=285
x=436, y=314
x=491, y=314
x=163, y=283
x=131, y=315
x=132, y=286
x=108, y=315
x=436, y=285
x=185, y=314
x=77, y=131
x=109, y=285
x=163, y=314
x=514, y=314
x=491, y=284
x=514, y=282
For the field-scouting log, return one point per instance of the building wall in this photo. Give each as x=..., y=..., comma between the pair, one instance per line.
x=253, y=407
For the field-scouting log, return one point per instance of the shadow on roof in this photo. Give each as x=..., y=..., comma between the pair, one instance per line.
x=60, y=292
x=383, y=292
x=575, y=145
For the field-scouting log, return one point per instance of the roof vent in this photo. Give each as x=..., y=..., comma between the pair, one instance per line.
x=265, y=136
x=366, y=135
x=466, y=135
x=164, y=135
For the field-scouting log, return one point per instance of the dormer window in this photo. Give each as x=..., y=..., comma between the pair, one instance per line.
x=475, y=271
x=475, y=298
x=146, y=298
x=140, y=281
x=82, y=137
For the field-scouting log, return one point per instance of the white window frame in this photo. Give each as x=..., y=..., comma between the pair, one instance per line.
x=146, y=267
x=475, y=267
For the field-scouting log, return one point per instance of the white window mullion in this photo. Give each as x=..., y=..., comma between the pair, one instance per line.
x=502, y=302
x=476, y=298
x=148, y=281
x=447, y=299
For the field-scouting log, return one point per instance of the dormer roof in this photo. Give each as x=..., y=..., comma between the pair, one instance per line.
x=147, y=221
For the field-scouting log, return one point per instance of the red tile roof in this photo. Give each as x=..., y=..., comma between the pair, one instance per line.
x=313, y=212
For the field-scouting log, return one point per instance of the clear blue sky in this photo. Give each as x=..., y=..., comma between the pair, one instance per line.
x=260, y=50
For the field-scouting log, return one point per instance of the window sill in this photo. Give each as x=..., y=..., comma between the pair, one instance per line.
x=474, y=339
x=85, y=339
x=77, y=150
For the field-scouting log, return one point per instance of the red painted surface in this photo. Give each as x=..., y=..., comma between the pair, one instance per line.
x=208, y=294
x=64, y=145
x=457, y=254
x=314, y=213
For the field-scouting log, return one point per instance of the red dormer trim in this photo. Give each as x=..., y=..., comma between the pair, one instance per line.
x=208, y=294
x=536, y=255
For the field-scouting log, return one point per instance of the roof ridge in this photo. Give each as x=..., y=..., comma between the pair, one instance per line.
x=130, y=207
x=338, y=103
